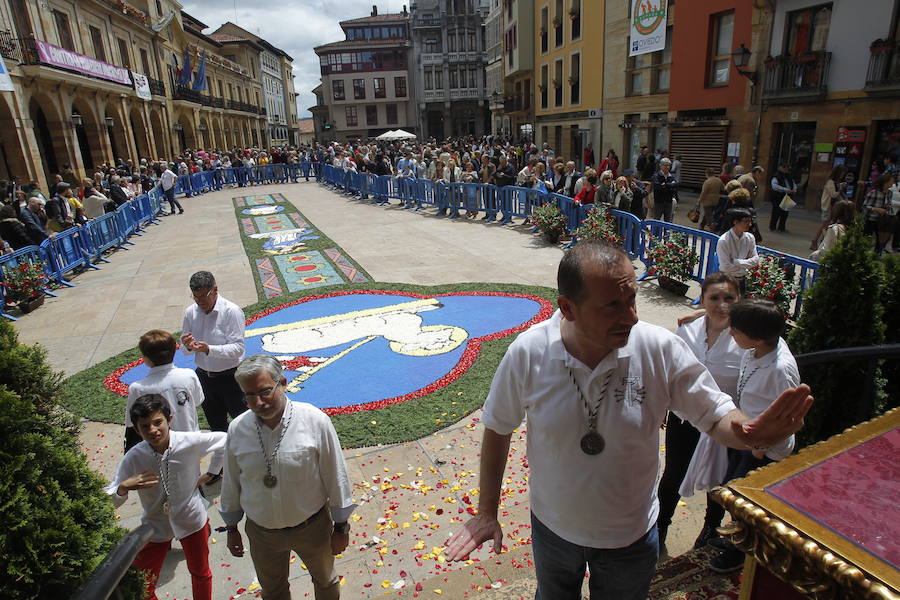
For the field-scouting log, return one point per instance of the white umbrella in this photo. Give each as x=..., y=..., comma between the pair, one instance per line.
x=403, y=135
x=387, y=135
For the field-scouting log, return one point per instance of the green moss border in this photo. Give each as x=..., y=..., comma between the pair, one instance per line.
x=85, y=395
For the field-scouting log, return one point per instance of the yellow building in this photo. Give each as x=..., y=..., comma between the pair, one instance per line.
x=568, y=96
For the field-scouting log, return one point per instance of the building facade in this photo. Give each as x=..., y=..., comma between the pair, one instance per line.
x=568, y=90
x=493, y=70
x=636, y=90
x=276, y=81
x=73, y=66
x=712, y=116
x=829, y=84
x=365, y=86
x=449, y=66
x=518, y=64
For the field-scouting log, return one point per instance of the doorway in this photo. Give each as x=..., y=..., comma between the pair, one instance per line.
x=793, y=146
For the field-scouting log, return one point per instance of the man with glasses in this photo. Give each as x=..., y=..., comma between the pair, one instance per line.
x=213, y=331
x=284, y=470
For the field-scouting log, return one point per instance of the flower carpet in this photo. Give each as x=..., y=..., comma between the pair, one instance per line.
x=388, y=362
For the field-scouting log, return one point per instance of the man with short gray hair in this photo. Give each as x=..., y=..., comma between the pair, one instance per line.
x=285, y=470
x=665, y=191
x=213, y=331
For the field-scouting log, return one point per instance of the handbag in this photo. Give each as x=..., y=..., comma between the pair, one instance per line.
x=694, y=213
x=787, y=203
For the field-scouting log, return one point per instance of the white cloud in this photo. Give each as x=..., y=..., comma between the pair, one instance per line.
x=293, y=26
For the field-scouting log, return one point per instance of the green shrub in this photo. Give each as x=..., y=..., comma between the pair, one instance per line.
x=842, y=309
x=58, y=523
x=890, y=301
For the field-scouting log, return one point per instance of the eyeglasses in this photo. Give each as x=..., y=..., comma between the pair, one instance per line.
x=202, y=297
x=263, y=394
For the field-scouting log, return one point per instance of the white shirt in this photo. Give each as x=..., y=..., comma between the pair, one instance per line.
x=167, y=179
x=187, y=508
x=764, y=379
x=607, y=500
x=736, y=254
x=222, y=328
x=722, y=359
x=180, y=387
x=309, y=467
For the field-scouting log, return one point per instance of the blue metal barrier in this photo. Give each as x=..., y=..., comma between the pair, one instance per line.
x=126, y=224
x=183, y=185
x=104, y=234
x=67, y=251
x=30, y=255
x=630, y=228
x=808, y=271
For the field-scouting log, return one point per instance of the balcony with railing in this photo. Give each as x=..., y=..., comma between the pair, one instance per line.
x=801, y=78
x=9, y=46
x=883, y=74
x=184, y=92
x=157, y=88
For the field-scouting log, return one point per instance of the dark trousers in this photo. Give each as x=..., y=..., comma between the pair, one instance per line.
x=779, y=217
x=222, y=397
x=681, y=441
x=173, y=201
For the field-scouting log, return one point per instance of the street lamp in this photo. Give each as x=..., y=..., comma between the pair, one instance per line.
x=741, y=58
x=110, y=122
x=178, y=127
x=77, y=120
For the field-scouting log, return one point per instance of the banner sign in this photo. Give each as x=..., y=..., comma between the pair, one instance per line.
x=6, y=84
x=141, y=86
x=648, y=26
x=66, y=59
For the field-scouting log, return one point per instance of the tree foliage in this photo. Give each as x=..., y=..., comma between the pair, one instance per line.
x=842, y=309
x=58, y=523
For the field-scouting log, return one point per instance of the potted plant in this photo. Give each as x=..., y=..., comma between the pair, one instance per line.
x=770, y=281
x=543, y=32
x=672, y=261
x=550, y=221
x=572, y=80
x=542, y=87
x=24, y=285
x=573, y=13
x=599, y=224
x=557, y=22
x=556, y=83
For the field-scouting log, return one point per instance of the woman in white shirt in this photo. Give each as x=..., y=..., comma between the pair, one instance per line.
x=709, y=340
x=842, y=215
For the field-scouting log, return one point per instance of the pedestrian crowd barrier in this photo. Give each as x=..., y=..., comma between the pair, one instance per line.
x=79, y=248
x=502, y=204
x=84, y=247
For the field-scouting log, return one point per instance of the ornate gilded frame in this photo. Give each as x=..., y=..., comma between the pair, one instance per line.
x=811, y=558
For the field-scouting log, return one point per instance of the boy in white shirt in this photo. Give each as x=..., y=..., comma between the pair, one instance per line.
x=181, y=387
x=767, y=369
x=736, y=248
x=165, y=469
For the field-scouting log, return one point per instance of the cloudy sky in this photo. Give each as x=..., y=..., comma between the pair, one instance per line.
x=295, y=26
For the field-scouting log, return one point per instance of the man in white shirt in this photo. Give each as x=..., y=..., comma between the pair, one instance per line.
x=167, y=182
x=736, y=248
x=284, y=470
x=165, y=469
x=213, y=331
x=594, y=385
x=180, y=387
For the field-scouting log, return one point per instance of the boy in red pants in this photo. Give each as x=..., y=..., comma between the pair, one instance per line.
x=165, y=470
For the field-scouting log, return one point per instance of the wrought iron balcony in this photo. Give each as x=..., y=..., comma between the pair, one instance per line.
x=802, y=78
x=183, y=92
x=883, y=74
x=9, y=46
x=157, y=88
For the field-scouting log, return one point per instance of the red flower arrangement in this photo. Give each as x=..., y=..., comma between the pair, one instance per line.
x=599, y=224
x=769, y=280
x=671, y=257
x=24, y=281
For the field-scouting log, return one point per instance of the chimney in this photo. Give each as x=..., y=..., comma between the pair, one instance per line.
x=374, y=10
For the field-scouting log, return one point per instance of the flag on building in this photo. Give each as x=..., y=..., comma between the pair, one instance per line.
x=184, y=78
x=200, y=75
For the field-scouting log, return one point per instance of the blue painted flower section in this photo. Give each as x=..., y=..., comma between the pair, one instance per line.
x=379, y=345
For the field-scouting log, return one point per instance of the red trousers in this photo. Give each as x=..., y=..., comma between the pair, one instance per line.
x=196, y=554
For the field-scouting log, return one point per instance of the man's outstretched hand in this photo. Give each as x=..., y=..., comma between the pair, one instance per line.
x=473, y=534
x=781, y=419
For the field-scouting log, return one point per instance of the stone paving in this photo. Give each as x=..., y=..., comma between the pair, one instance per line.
x=415, y=491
